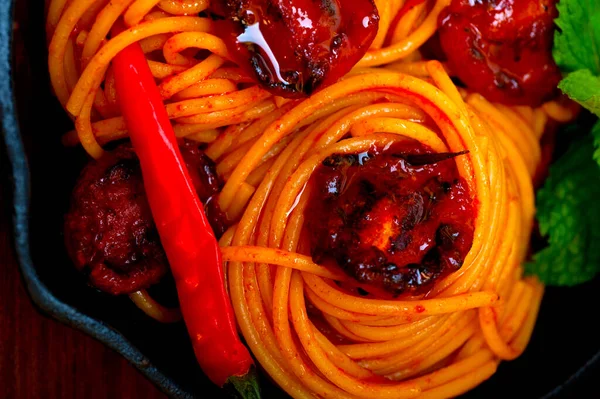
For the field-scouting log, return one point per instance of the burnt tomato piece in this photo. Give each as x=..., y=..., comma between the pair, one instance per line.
x=396, y=219
x=293, y=48
x=109, y=231
x=502, y=48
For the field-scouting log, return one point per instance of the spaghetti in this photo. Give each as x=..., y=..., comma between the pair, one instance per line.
x=446, y=317
x=435, y=345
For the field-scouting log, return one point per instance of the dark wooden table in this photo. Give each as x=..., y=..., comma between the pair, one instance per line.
x=41, y=358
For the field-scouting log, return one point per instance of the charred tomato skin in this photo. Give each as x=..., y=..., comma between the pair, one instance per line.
x=502, y=49
x=109, y=231
x=295, y=48
x=396, y=219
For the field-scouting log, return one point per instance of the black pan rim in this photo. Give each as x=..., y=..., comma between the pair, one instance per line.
x=39, y=293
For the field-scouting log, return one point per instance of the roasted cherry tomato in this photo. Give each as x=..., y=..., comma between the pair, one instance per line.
x=395, y=218
x=294, y=48
x=502, y=48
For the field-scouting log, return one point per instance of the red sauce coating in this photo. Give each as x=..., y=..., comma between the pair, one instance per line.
x=295, y=47
x=395, y=219
x=502, y=48
x=109, y=230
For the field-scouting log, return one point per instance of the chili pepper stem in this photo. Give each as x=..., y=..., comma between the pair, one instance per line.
x=245, y=386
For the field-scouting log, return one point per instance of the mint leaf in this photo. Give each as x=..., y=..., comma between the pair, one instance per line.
x=569, y=202
x=596, y=136
x=583, y=87
x=577, y=41
x=569, y=214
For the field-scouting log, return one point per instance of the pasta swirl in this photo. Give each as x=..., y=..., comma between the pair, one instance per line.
x=438, y=344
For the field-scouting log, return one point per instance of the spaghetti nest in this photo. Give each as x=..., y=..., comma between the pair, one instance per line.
x=450, y=339
x=436, y=345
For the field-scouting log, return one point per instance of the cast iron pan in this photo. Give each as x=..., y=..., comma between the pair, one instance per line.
x=561, y=360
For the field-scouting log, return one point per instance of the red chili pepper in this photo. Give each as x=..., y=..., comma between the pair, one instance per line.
x=185, y=233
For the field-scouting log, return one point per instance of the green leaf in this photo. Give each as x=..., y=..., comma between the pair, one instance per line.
x=583, y=87
x=596, y=136
x=569, y=214
x=569, y=202
x=577, y=41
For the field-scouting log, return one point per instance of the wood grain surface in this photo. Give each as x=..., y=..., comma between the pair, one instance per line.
x=41, y=358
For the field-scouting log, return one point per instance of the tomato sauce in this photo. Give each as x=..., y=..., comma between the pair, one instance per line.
x=396, y=218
